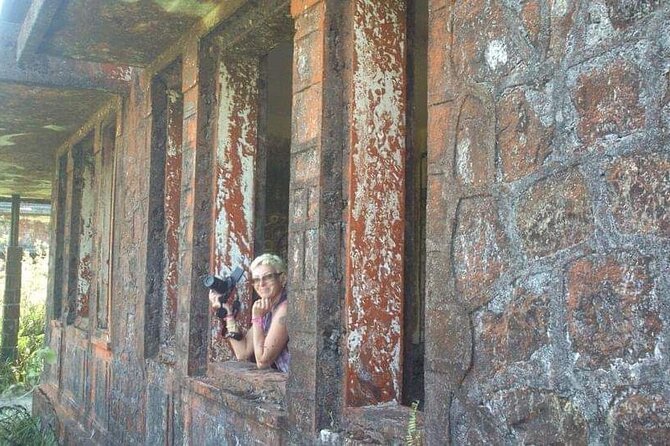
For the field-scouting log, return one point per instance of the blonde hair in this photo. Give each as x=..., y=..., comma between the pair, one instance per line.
x=271, y=260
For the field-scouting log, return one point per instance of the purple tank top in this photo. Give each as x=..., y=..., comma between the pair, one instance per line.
x=282, y=361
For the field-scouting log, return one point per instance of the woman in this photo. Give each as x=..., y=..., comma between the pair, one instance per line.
x=267, y=339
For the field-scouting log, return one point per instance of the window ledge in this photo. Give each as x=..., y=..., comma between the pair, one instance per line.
x=243, y=388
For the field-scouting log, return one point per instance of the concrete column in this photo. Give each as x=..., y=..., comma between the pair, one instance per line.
x=12, y=302
x=376, y=214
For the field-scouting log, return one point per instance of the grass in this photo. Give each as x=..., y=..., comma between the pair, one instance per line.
x=19, y=428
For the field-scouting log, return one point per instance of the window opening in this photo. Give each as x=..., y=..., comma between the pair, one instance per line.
x=81, y=226
x=416, y=197
x=60, y=237
x=164, y=211
x=252, y=165
x=274, y=151
x=105, y=223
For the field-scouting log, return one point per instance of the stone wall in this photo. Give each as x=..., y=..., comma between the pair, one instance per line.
x=547, y=237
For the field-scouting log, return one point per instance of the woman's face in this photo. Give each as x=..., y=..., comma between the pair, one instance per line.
x=266, y=281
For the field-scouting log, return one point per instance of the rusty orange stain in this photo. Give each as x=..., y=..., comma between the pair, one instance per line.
x=173, y=163
x=236, y=141
x=375, y=239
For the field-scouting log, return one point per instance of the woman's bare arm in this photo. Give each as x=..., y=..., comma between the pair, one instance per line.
x=243, y=348
x=268, y=347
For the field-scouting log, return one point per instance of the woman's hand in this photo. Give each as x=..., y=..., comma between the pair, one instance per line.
x=261, y=307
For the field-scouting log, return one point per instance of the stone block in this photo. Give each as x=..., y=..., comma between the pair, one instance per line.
x=607, y=100
x=306, y=123
x=439, y=57
x=523, y=140
x=625, y=13
x=540, y=417
x=639, y=192
x=298, y=206
x=308, y=61
x=296, y=250
x=531, y=18
x=640, y=418
x=440, y=134
x=302, y=308
x=562, y=16
x=313, y=204
x=303, y=362
x=554, y=214
x=310, y=19
x=437, y=219
x=483, y=49
x=475, y=143
x=311, y=260
x=480, y=250
x=450, y=332
x=612, y=311
x=305, y=168
x=299, y=7
x=517, y=332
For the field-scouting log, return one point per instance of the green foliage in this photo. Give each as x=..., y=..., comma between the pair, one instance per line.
x=413, y=437
x=24, y=372
x=19, y=428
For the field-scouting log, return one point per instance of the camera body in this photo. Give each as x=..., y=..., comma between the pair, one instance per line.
x=224, y=286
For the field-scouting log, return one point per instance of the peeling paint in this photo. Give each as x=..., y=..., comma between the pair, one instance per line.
x=87, y=236
x=173, y=163
x=235, y=168
x=376, y=238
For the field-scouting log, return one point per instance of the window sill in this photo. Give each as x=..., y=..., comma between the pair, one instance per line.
x=243, y=388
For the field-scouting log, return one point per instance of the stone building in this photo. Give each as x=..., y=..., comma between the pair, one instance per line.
x=473, y=198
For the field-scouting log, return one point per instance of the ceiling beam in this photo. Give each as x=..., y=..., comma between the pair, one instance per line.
x=34, y=28
x=53, y=72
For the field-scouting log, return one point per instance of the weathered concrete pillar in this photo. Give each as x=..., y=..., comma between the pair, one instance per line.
x=314, y=391
x=376, y=214
x=12, y=302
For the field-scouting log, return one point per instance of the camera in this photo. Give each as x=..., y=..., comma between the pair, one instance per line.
x=224, y=286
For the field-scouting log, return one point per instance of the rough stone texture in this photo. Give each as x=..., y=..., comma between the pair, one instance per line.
x=554, y=214
x=557, y=318
x=473, y=165
x=479, y=249
x=640, y=194
x=523, y=139
x=641, y=417
x=612, y=310
x=517, y=333
x=607, y=100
